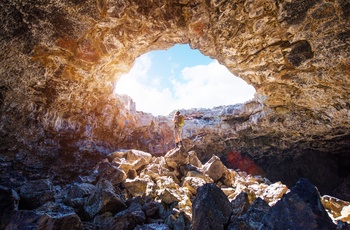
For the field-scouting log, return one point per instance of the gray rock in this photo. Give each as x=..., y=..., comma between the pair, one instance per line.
x=35, y=193
x=47, y=217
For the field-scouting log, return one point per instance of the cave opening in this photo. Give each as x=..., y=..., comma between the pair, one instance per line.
x=161, y=81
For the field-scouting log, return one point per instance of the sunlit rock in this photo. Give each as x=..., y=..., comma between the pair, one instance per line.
x=274, y=192
x=140, y=186
x=131, y=159
x=338, y=209
x=193, y=159
x=217, y=170
x=176, y=157
x=193, y=183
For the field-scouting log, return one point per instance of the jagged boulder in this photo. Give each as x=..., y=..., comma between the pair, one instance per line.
x=127, y=219
x=194, y=160
x=49, y=216
x=140, y=186
x=104, y=199
x=107, y=171
x=76, y=195
x=193, y=183
x=35, y=193
x=240, y=204
x=338, y=209
x=301, y=208
x=176, y=157
x=217, y=170
x=273, y=192
x=211, y=209
x=250, y=219
x=131, y=159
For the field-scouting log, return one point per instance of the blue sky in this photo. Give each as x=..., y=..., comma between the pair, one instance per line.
x=162, y=81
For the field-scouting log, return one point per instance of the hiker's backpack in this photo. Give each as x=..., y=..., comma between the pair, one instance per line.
x=181, y=120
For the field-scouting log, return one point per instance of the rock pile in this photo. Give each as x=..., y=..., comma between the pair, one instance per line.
x=132, y=189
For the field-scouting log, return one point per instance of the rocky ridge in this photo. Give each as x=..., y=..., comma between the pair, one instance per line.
x=132, y=189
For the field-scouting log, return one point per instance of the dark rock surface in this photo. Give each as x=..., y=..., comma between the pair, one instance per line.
x=211, y=208
x=299, y=209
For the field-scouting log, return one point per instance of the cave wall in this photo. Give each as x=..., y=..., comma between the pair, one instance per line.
x=61, y=59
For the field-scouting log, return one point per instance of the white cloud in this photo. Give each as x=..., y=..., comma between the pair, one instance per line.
x=202, y=86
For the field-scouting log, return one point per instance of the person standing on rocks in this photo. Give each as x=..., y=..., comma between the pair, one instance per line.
x=179, y=121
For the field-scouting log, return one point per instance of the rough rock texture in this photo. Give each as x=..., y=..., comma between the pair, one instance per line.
x=211, y=208
x=249, y=202
x=299, y=209
x=60, y=60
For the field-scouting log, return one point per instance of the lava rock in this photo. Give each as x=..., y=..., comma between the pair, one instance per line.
x=35, y=193
x=301, y=208
x=211, y=208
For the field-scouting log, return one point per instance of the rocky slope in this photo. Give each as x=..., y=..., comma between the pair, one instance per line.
x=132, y=189
x=61, y=59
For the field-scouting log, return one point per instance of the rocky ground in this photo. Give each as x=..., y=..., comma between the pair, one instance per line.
x=131, y=189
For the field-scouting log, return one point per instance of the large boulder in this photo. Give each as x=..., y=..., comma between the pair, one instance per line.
x=140, y=186
x=104, y=199
x=211, y=209
x=76, y=195
x=131, y=159
x=176, y=157
x=35, y=193
x=301, y=208
x=49, y=216
x=217, y=170
x=107, y=171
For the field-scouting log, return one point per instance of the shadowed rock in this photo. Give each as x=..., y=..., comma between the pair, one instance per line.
x=252, y=218
x=9, y=200
x=301, y=208
x=36, y=193
x=48, y=216
x=211, y=209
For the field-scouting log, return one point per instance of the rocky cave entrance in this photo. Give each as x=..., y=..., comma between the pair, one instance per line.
x=70, y=53
x=162, y=81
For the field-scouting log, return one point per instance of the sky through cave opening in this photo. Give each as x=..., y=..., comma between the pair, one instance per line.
x=162, y=81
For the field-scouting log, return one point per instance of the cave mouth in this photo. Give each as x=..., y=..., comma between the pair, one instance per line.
x=161, y=81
